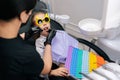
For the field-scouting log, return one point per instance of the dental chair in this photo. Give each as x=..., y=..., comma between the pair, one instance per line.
x=57, y=26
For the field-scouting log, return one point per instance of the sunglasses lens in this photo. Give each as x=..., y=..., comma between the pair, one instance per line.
x=39, y=21
x=46, y=19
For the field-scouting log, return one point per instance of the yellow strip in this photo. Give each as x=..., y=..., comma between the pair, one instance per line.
x=92, y=61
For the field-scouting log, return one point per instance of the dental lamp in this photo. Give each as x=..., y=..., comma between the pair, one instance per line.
x=106, y=30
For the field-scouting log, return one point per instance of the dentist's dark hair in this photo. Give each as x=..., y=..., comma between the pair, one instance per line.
x=12, y=8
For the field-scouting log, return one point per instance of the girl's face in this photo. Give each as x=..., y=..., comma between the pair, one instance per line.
x=42, y=21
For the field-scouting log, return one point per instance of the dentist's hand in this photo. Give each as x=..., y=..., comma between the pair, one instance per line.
x=51, y=35
x=32, y=31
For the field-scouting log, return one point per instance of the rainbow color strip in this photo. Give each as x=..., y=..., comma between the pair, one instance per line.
x=82, y=61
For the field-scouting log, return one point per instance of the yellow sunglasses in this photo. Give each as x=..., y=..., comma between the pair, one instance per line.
x=39, y=21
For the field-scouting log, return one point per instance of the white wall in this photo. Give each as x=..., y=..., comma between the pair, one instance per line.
x=78, y=9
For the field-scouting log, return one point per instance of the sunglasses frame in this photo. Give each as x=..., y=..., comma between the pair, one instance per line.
x=42, y=20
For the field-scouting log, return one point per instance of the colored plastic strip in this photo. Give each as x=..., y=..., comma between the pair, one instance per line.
x=79, y=63
x=92, y=61
x=85, y=62
x=69, y=57
x=100, y=61
x=73, y=64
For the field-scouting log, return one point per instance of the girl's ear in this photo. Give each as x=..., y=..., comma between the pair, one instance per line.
x=24, y=16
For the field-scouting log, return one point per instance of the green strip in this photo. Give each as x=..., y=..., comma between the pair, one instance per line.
x=79, y=63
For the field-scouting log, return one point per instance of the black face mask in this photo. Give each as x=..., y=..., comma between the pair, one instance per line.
x=23, y=24
x=23, y=28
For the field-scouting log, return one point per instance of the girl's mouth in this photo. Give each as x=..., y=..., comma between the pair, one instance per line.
x=46, y=29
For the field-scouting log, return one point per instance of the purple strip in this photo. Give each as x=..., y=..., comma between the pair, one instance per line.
x=69, y=57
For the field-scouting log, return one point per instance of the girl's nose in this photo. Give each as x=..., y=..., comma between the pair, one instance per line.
x=44, y=24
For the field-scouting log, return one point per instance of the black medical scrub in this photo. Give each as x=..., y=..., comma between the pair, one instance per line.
x=19, y=60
